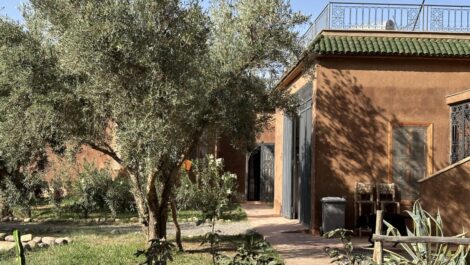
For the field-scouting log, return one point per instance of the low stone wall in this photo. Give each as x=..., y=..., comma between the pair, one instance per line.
x=449, y=191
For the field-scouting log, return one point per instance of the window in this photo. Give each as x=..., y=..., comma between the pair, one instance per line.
x=410, y=157
x=460, y=135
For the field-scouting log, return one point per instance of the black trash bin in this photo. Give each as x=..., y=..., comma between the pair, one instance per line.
x=333, y=213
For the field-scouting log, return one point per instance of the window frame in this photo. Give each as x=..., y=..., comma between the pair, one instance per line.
x=429, y=145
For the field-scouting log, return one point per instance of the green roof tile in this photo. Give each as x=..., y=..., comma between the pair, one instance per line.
x=391, y=46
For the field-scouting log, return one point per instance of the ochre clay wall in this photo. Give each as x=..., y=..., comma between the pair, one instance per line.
x=449, y=192
x=278, y=153
x=60, y=165
x=269, y=134
x=357, y=100
x=235, y=159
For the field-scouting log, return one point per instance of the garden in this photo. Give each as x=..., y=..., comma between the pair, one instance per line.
x=149, y=85
x=96, y=213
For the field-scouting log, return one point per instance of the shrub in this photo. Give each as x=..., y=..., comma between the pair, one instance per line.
x=424, y=224
x=159, y=252
x=252, y=252
x=23, y=191
x=95, y=189
x=345, y=256
x=56, y=191
x=118, y=197
x=210, y=192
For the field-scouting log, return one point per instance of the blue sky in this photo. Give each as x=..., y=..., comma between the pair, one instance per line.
x=309, y=7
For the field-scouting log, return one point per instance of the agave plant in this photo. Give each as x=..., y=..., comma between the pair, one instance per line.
x=424, y=224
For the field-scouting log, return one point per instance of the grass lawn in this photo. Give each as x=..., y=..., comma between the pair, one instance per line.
x=99, y=248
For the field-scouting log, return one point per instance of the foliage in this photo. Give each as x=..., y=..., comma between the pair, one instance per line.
x=95, y=189
x=24, y=191
x=345, y=256
x=142, y=81
x=88, y=189
x=158, y=253
x=251, y=252
x=213, y=239
x=212, y=190
x=186, y=192
x=32, y=99
x=211, y=193
x=57, y=187
x=424, y=224
x=118, y=197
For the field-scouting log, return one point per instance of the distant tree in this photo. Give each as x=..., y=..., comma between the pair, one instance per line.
x=143, y=81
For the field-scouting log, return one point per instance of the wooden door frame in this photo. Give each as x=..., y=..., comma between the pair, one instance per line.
x=429, y=145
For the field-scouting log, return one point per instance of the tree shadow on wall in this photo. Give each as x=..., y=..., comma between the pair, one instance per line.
x=352, y=137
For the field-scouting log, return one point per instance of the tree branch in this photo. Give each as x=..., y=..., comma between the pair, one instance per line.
x=107, y=150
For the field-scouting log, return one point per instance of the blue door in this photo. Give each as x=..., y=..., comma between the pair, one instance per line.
x=287, y=208
x=305, y=161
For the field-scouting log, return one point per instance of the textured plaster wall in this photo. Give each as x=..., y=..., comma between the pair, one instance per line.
x=450, y=193
x=357, y=100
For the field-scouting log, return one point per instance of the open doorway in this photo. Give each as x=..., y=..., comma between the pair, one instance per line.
x=254, y=169
x=260, y=181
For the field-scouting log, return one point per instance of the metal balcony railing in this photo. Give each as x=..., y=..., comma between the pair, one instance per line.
x=398, y=17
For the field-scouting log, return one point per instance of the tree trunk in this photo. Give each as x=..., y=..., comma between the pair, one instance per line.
x=153, y=214
x=139, y=201
x=174, y=215
x=162, y=220
x=158, y=211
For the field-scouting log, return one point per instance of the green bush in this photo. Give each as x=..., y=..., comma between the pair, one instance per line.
x=118, y=197
x=95, y=189
x=159, y=252
x=57, y=190
x=211, y=190
x=251, y=252
x=345, y=255
x=23, y=191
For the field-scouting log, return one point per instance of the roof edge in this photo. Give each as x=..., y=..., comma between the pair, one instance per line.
x=395, y=34
x=310, y=51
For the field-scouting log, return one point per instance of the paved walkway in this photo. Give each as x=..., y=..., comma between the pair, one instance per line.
x=289, y=238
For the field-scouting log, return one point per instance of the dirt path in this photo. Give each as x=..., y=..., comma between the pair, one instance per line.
x=188, y=229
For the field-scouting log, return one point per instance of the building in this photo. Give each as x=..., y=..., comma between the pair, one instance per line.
x=384, y=98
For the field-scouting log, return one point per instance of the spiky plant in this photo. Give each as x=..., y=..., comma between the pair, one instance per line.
x=424, y=224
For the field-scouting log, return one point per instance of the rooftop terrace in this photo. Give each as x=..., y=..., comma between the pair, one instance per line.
x=393, y=17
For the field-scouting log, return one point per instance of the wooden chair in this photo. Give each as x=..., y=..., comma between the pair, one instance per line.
x=364, y=196
x=386, y=195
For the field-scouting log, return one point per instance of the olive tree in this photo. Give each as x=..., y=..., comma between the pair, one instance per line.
x=31, y=99
x=143, y=81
